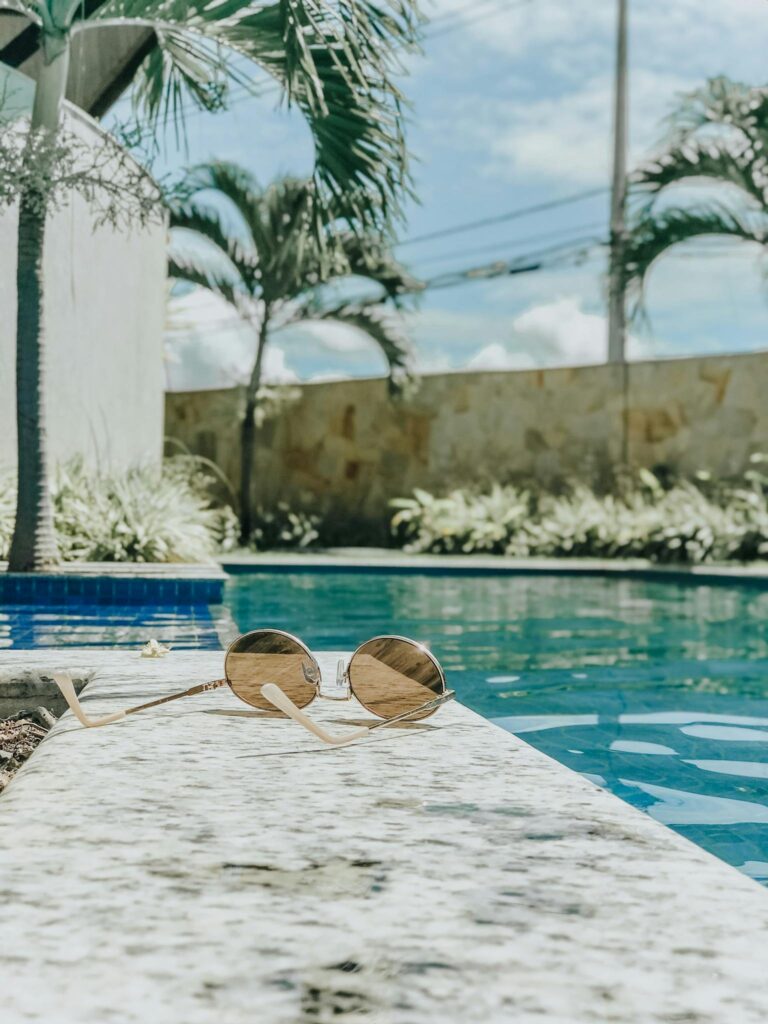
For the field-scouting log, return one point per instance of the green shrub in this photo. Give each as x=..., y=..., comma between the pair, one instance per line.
x=7, y=511
x=280, y=527
x=682, y=521
x=145, y=514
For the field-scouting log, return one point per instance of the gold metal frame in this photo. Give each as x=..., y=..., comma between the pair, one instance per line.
x=275, y=695
x=420, y=647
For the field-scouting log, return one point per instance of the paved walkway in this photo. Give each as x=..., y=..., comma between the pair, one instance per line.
x=192, y=865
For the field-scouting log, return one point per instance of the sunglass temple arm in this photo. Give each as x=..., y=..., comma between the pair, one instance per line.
x=431, y=705
x=284, y=703
x=64, y=682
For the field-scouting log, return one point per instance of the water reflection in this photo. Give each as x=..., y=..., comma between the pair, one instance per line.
x=102, y=625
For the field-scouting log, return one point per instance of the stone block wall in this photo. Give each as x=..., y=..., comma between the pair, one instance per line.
x=346, y=447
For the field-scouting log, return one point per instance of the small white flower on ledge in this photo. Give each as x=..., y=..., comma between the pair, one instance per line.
x=154, y=649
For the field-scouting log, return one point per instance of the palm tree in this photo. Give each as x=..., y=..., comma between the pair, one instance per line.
x=271, y=268
x=718, y=134
x=332, y=59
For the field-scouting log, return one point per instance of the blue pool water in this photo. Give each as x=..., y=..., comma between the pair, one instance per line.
x=77, y=624
x=656, y=690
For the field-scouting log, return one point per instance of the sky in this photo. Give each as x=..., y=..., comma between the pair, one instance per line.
x=511, y=107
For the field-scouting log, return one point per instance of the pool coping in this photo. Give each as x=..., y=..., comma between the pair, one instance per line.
x=386, y=560
x=206, y=864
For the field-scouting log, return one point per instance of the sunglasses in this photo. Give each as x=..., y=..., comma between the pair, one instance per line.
x=395, y=678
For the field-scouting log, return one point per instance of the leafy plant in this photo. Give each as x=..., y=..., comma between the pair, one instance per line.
x=270, y=266
x=145, y=514
x=7, y=506
x=717, y=135
x=686, y=521
x=281, y=527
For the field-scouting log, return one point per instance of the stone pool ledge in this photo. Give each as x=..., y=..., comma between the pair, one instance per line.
x=391, y=560
x=194, y=865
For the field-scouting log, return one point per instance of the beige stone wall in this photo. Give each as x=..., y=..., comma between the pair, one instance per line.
x=345, y=446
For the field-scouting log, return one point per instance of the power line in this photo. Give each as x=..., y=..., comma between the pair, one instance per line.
x=522, y=211
x=479, y=250
x=543, y=259
x=564, y=251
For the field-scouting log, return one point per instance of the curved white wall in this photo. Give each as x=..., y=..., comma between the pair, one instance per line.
x=105, y=310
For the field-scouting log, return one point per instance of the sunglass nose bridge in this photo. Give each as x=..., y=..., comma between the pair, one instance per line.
x=339, y=688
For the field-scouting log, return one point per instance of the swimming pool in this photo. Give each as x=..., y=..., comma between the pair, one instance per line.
x=96, y=624
x=656, y=690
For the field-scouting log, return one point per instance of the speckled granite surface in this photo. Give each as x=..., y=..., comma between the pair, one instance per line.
x=194, y=866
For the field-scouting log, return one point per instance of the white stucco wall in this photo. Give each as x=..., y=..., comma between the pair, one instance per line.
x=104, y=316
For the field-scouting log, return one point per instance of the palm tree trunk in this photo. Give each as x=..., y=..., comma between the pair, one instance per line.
x=34, y=544
x=248, y=436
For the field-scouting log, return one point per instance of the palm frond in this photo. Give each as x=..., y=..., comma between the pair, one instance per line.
x=285, y=226
x=200, y=273
x=334, y=59
x=370, y=256
x=278, y=220
x=237, y=184
x=205, y=222
x=191, y=59
x=720, y=103
x=387, y=331
x=26, y=8
x=180, y=67
x=357, y=125
x=360, y=37
x=739, y=165
x=287, y=267
x=657, y=231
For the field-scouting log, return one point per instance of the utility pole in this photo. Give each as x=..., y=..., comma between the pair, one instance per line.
x=617, y=327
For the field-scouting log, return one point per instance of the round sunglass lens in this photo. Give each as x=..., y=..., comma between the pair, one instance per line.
x=390, y=677
x=268, y=656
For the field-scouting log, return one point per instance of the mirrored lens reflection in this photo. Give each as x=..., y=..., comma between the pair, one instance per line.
x=265, y=656
x=391, y=676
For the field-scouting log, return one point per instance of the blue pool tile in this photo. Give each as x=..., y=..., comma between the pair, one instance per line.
x=58, y=588
x=73, y=624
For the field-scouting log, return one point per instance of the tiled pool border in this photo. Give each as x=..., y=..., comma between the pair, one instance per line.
x=110, y=584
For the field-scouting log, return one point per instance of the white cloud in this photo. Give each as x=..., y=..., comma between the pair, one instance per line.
x=326, y=376
x=550, y=114
x=497, y=356
x=331, y=336
x=556, y=333
x=561, y=333
x=567, y=138
x=525, y=28
x=275, y=369
x=207, y=346
x=570, y=34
